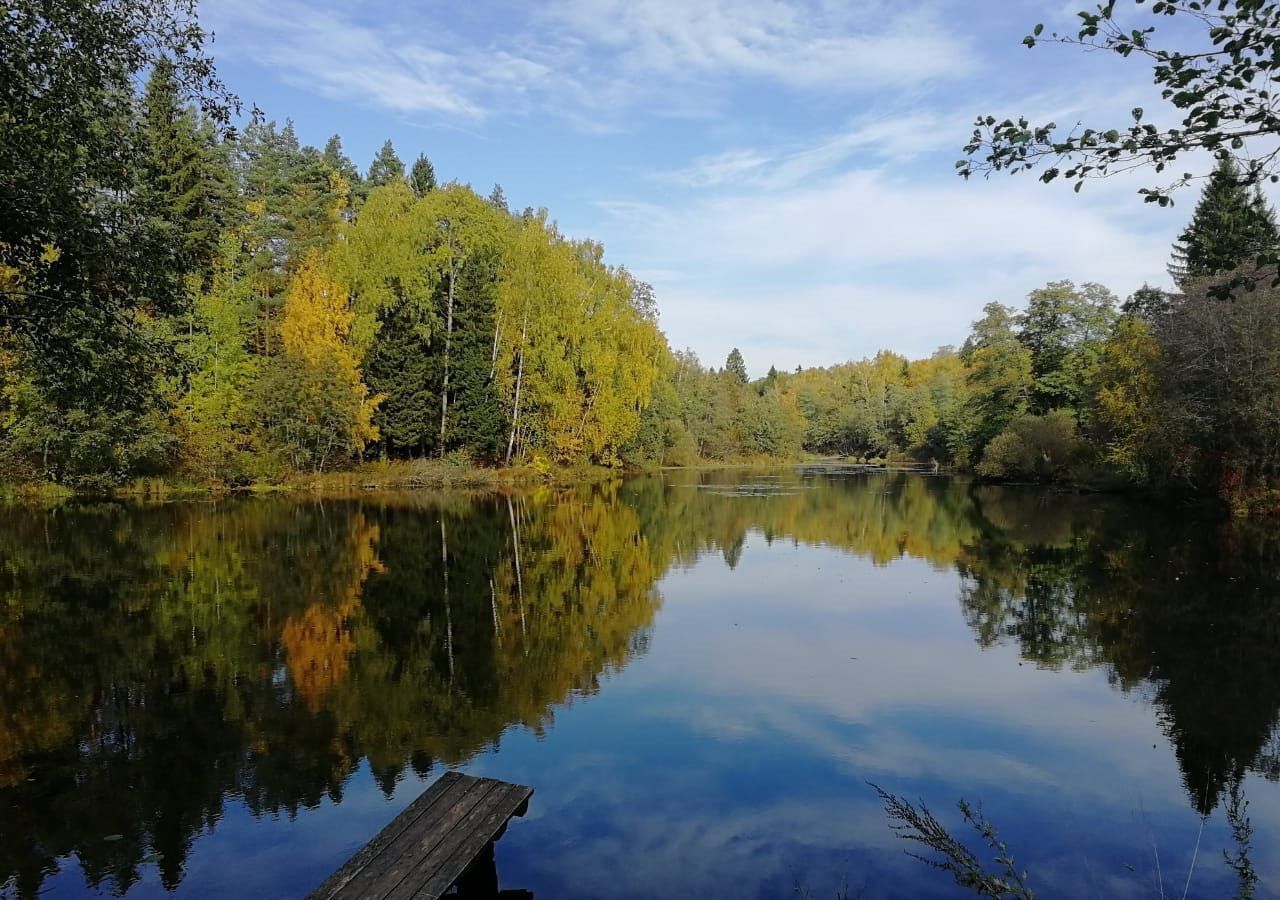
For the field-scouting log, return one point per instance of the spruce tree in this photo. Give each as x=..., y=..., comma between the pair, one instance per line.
x=340, y=162
x=187, y=181
x=736, y=367
x=385, y=168
x=1230, y=226
x=422, y=178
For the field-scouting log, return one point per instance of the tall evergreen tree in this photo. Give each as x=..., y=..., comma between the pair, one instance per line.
x=78, y=250
x=736, y=367
x=405, y=367
x=479, y=418
x=188, y=183
x=385, y=168
x=340, y=162
x=1230, y=226
x=498, y=199
x=422, y=178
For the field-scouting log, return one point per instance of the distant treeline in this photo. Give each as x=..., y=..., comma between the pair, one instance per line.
x=183, y=299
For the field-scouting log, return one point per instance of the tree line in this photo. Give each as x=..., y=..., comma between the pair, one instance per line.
x=1174, y=390
x=230, y=306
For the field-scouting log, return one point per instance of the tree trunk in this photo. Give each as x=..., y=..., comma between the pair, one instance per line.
x=448, y=339
x=515, y=412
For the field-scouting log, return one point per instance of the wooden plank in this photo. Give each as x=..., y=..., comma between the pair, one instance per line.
x=465, y=843
x=440, y=792
x=415, y=846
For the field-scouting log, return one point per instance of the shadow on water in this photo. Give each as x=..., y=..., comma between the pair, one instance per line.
x=157, y=663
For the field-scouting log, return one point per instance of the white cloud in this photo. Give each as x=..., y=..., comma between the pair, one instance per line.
x=586, y=62
x=329, y=52
x=815, y=269
x=898, y=137
x=803, y=44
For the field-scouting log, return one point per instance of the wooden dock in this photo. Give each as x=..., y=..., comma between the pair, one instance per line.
x=433, y=843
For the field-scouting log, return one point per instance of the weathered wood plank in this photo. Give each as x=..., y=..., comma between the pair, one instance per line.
x=415, y=847
x=442, y=791
x=467, y=841
x=431, y=844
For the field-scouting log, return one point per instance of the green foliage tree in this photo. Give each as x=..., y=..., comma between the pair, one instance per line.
x=1147, y=303
x=1064, y=327
x=79, y=255
x=215, y=416
x=999, y=375
x=736, y=367
x=1043, y=448
x=1231, y=226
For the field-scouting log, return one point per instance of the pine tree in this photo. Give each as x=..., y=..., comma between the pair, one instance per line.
x=422, y=178
x=736, y=367
x=1229, y=227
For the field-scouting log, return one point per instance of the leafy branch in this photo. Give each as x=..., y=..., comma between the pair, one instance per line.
x=1225, y=91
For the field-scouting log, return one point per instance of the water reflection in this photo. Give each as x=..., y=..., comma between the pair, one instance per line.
x=157, y=664
x=154, y=663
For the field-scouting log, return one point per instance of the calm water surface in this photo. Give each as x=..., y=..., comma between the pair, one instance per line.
x=699, y=673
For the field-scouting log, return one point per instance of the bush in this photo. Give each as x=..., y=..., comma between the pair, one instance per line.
x=1042, y=448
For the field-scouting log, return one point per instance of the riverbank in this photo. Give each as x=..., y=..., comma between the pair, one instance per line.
x=380, y=475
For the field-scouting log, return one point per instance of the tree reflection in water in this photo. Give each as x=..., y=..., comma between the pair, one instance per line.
x=156, y=663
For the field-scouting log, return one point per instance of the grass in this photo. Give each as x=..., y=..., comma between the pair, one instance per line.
x=33, y=493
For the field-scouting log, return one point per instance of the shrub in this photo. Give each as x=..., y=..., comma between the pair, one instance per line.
x=1043, y=448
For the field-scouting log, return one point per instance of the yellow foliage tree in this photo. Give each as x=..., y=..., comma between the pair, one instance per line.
x=314, y=402
x=1126, y=392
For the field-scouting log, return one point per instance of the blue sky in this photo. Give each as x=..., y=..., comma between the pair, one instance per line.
x=780, y=170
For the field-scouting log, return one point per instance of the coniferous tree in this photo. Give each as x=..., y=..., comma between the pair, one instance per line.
x=187, y=182
x=479, y=419
x=498, y=199
x=422, y=178
x=385, y=168
x=736, y=367
x=340, y=162
x=405, y=367
x=1230, y=226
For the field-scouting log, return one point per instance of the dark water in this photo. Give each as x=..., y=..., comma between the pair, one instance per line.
x=698, y=674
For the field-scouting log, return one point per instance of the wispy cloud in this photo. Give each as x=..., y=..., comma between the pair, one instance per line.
x=873, y=138
x=329, y=52
x=802, y=43
x=589, y=62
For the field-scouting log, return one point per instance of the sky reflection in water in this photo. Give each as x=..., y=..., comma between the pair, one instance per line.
x=699, y=674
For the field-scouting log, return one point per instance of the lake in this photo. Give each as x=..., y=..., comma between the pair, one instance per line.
x=700, y=673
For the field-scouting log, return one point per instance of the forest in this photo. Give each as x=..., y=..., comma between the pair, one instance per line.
x=226, y=306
